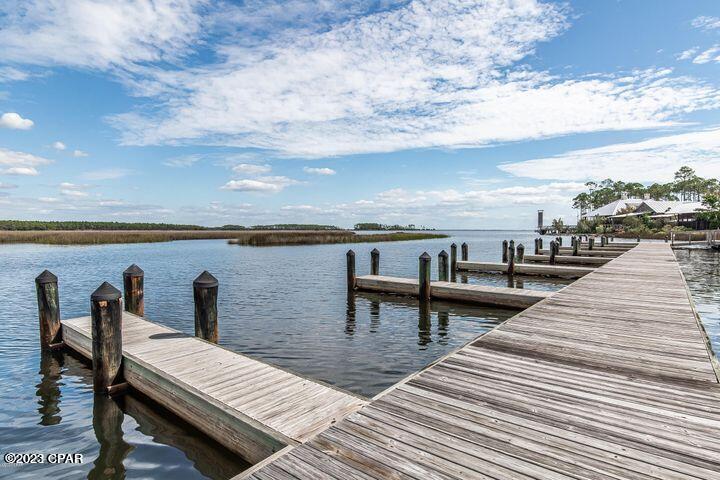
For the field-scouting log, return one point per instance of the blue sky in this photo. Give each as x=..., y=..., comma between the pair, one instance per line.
x=453, y=114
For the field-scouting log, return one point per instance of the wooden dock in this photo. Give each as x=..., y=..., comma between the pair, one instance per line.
x=563, y=271
x=459, y=292
x=252, y=408
x=609, y=378
x=568, y=259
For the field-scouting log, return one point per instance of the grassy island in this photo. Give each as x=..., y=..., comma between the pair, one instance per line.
x=269, y=239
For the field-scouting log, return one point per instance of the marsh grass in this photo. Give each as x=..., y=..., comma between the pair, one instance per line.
x=253, y=238
x=269, y=239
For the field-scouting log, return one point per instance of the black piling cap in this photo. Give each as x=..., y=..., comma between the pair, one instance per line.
x=452, y=245
x=205, y=280
x=105, y=292
x=443, y=253
x=375, y=251
x=464, y=244
x=46, y=277
x=134, y=271
x=350, y=253
x=425, y=256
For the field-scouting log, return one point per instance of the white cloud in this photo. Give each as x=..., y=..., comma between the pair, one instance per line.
x=319, y=171
x=107, y=174
x=183, y=161
x=10, y=74
x=706, y=22
x=653, y=160
x=20, y=163
x=712, y=54
x=79, y=153
x=97, y=34
x=251, y=169
x=59, y=145
x=270, y=184
x=7, y=186
x=15, y=121
x=301, y=208
x=687, y=54
x=402, y=79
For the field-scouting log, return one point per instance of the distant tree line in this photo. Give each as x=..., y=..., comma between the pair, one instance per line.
x=686, y=186
x=27, y=225
x=379, y=226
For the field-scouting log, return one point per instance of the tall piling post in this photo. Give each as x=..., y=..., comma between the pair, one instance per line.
x=375, y=262
x=504, y=251
x=540, y=244
x=552, y=252
x=48, y=299
x=453, y=262
x=424, y=276
x=464, y=252
x=205, y=293
x=443, y=266
x=521, y=253
x=133, y=288
x=511, y=258
x=576, y=247
x=591, y=243
x=350, y=259
x=106, y=313
x=537, y=247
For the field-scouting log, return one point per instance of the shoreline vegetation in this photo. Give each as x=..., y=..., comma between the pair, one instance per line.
x=99, y=233
x=270, y=239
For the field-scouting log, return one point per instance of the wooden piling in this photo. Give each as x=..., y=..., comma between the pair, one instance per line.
x=424, y=276
x=453, y=262
x=521, y=253
x=591, y=243
x=46, y=286
x=511, y=258
x=350, y=258
x=504, y=251
x=106, y=313
x=443, y=266
x=537, y=247
x=464, y=252
x=375, y=262
x=133, y=288
x=205, y=292
x=540, y=244
x=576, y=247
x=553, y=246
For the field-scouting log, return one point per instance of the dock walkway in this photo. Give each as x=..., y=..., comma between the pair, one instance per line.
x=608, y=378
x=250, y=407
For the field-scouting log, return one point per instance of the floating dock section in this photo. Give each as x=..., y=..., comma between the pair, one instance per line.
x=609, y=378
x=479, y=294
x=252, y=408
x=526, y=269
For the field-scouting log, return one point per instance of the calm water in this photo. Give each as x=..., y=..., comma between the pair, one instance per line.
x=286, y=305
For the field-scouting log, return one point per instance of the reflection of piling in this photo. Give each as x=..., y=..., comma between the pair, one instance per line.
x=350, y=315
x=350, y=260
x=424, y=276
x=46, y=285
x=205, y=293
x=464, y=252
x=424, y=323
x=443, y=266
x=443, y=323
x=133, y=280
x=49, y=387
x=375, y=262
x=106, y=314
x=107, y=424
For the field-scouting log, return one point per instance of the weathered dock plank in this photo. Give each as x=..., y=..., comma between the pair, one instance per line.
x=251, y=407
x=609, y=378
x=480, y=294
x=564, y=271
x=596, y=252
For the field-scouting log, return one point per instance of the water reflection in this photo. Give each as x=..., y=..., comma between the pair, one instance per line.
x=374, y=315
x=350, y=314
x=108, y=427
x=424, y=323
x=48, y=389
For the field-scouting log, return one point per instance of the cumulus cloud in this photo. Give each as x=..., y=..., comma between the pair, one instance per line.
x=319, y=171
x=251, y=169
x=59, y=145
x=268, y=184
x=20, y=163
x=15, y=121
x=79, y=153
x=712, y=54
x=652, y=160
